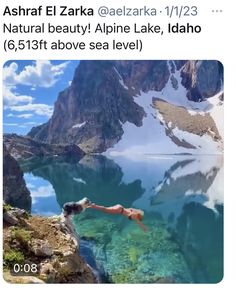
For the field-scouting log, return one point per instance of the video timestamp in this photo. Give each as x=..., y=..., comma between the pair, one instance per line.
x=25, y=269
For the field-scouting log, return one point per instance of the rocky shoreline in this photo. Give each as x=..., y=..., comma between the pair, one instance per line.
x=23, y=147
x=43, y=241
x=15, y=191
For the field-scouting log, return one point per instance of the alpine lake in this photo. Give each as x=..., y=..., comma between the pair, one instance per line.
x=181, y=196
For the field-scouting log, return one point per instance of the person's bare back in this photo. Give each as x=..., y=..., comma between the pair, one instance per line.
x=131, y=213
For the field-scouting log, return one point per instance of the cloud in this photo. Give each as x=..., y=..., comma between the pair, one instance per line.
x=31, y=123
x=31, y=177
x=15, y=125
x=24, y=125
x=43, y=191
x=30, y=185
x=10, y=124
x=9, y=73
x=24, y=116
x=39, y=109
x=11, y=98
x=42, y=73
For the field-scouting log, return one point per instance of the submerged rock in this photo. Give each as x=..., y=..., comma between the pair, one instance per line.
x=129, y=255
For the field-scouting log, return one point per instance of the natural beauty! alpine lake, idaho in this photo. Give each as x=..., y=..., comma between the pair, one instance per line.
x=182, y=198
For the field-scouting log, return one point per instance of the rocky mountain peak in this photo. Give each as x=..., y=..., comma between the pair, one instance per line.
x=202, y=79
x=103, y=97
x=94, y=107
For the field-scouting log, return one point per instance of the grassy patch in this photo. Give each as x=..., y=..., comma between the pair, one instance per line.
x=26, y=214
x=21, y=235
x=6, y=207
x=12, y=257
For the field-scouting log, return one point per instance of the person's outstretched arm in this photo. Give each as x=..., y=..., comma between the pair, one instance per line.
x=142, y=226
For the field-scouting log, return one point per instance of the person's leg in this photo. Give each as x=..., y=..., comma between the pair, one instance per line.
x=116, y=209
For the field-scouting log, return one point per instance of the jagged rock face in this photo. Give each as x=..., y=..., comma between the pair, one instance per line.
x=90, y=112
x=15, y=191
x=203, y=79
x=144, y=75
x=102, y=98
x=21, y=147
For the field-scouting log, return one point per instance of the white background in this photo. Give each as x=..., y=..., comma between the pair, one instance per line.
x=216, y=41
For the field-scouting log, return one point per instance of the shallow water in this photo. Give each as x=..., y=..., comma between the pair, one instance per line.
x=182, y=197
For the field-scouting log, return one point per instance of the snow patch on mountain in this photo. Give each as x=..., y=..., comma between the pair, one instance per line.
x=204, y=144
x=79, y=125
x=217, y=112
x=174, y=92
x=177, y=95
x=151, y=137
x=121, y=79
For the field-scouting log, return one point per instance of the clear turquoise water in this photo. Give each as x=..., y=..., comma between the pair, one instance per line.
x=182, y=197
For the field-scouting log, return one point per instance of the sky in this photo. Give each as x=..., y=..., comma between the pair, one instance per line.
x=30, y=89
x=43, y=196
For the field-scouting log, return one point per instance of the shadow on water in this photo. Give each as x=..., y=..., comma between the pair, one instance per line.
x=199, y=232
x=182, y=197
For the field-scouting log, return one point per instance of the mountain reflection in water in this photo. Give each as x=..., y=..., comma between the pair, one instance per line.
x=182, y=197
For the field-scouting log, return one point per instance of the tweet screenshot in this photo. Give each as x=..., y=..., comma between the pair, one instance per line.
x=113, y=143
